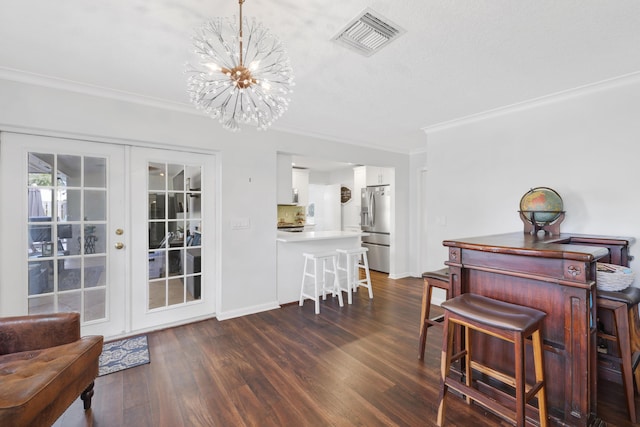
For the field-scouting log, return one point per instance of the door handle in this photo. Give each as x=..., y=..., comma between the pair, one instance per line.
x=119, y=245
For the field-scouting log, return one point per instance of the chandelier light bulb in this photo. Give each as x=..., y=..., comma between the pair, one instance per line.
x=212, y=67
x=219, y=44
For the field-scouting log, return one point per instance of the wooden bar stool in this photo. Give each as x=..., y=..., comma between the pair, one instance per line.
x=323, y=263
x=503, y=320
x=623, y=309
x=354, y=260
x=438, y=279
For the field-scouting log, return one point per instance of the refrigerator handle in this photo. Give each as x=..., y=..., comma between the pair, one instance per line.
x=372, y=209
x=364, y=211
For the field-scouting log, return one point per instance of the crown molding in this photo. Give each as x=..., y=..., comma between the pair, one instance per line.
x=93, y=90
x=536, y=102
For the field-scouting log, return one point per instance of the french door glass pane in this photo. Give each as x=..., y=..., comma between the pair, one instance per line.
x=95, y=205
x=66, y=228
x=72, y=210
x=174, y=220
x=95, y=172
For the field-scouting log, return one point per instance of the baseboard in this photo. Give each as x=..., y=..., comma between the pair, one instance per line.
x=225, y=315
x=396, y=276
x=155, y=328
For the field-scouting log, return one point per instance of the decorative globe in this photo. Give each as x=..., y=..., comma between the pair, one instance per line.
x=541, y=204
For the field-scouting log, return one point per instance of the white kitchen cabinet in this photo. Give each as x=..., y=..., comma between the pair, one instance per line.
x=378, y=175
x=359, y=179
x=284, y=179
x=300, y=183
x=372, y=175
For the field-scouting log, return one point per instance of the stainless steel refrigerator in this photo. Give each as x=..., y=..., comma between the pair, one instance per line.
x=375, y=219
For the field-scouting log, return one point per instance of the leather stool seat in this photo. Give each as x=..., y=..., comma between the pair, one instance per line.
x=509, y=322
x=438, y=279
x=442, y=274
x=629, y=296
x=494, y=313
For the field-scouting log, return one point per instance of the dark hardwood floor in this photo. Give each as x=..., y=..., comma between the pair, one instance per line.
x=350, y=366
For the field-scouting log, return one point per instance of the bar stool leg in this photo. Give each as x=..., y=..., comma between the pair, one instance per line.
x=324, y=279
x=336, y=282
x=424, y=315
x=304, y=278
x=315, y=285
x=366, y=273
x=468, y=372
x=520, y=380
x=445, y=367
x=538, y=363
x=350, y=278
x=624, y=350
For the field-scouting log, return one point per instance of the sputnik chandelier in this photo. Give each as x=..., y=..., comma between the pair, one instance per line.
x=239, y=79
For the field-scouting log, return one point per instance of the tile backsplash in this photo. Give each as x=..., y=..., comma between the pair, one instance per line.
x=291, y=215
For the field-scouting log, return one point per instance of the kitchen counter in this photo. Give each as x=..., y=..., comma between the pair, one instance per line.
x=306, y=236
x=290, y=262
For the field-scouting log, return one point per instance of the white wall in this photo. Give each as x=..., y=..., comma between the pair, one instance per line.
x=585, y=145
x=247, y=172
x=350, y=215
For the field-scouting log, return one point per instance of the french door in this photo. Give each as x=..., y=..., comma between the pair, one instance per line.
x=62, y=214
x=113, y=232
x=172, y=207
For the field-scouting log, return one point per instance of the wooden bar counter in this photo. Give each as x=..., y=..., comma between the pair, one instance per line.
x=556, y=274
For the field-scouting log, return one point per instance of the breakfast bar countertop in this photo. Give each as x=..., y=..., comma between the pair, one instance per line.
x=306, y=236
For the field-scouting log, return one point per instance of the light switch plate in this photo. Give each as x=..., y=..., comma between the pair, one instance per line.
x=240, y=224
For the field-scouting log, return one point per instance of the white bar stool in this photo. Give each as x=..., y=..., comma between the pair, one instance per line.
x=355, y=259
x=328, y=265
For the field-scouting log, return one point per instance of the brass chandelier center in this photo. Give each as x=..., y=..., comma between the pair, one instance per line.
x=240, y=76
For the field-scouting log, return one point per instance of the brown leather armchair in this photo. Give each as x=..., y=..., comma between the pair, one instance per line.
x=44, y=366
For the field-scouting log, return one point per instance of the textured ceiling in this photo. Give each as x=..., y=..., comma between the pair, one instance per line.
x=457, y=58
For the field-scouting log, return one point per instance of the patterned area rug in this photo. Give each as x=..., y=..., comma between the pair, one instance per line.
x=124, y=354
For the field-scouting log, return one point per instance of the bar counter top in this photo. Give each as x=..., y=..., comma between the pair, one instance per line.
x=565, y=246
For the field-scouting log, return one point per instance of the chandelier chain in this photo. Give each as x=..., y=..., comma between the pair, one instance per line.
x=240, y=32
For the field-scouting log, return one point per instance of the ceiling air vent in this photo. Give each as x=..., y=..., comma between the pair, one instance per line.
x=368, y=33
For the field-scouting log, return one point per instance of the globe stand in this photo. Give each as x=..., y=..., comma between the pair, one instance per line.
x=532, y=226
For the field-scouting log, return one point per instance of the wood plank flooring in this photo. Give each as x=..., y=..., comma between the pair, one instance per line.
x=350, y=366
